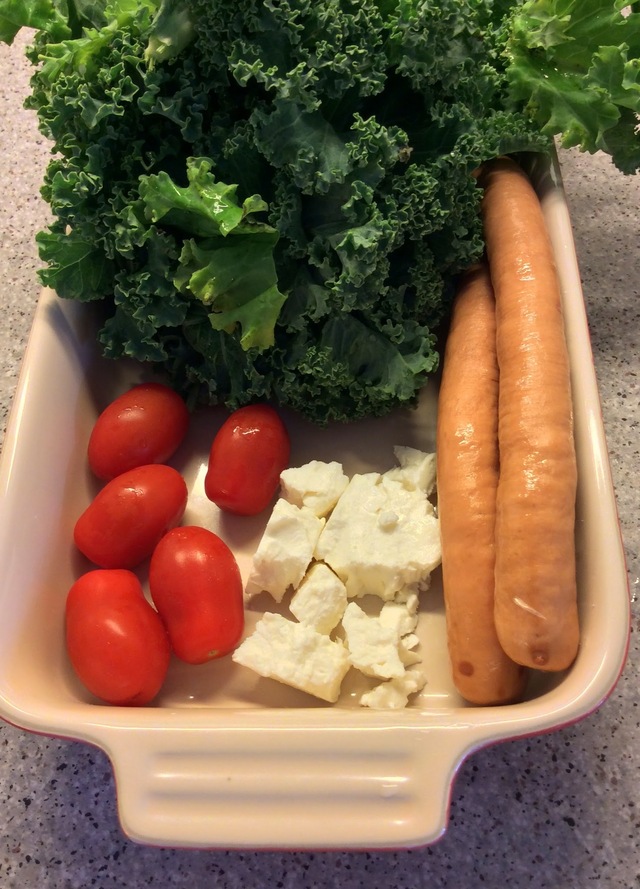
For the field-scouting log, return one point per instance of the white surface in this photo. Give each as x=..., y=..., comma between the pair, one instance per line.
x=226, y=761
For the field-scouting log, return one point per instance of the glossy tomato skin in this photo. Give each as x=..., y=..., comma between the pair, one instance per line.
x=144, y=425
x=195, y=584
x=247, y=455
x=126, y=519
x=116, y=642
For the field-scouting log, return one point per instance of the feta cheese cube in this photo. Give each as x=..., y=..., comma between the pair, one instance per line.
x=370, y=554
x=416, y=469
x=320, y=600
x=394, y=694
x=401, y=615
x=285, y=550
x=373, y=647
x=296, y=655
x=315, y=485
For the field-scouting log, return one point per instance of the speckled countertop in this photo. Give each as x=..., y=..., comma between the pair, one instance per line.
x=562, y=810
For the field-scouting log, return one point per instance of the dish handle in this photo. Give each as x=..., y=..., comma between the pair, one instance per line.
x=383, y=786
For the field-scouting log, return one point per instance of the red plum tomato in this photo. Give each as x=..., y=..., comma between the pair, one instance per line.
x=128, y=516
x=116, y=641
x=195, y=584
x=147, y=424
x=247, y=456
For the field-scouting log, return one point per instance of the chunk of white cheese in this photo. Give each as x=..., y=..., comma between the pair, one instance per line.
x=315, y=485
x=416, y=469
x=401, y=615
x=285, y=550
x=394, y=694
x=406, y=650
x=296, y=655
x=320, y=600
x=381, y=537
x=373, y=647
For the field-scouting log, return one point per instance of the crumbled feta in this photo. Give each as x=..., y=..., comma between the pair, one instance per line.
x=320, y=600
x=407, y=593
x=373, y=556
x=381, y=537
x=416, y=469
x=402, y=615
x=394, y=694
x=373, y=647
x=296, y=655
x=285, y=550
x=406, y=650
x=316, y=485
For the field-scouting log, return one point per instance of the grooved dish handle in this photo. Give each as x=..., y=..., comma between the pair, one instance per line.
x=272, y=789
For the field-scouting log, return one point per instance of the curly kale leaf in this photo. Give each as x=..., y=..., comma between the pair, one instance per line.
x=574, y=65
x=272, y=198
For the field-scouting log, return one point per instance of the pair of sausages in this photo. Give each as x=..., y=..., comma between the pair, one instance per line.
x=506, y=458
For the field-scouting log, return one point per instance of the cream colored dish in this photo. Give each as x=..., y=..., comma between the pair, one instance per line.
x=224, y=758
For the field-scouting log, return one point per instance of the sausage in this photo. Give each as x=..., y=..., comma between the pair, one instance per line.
x=536, y=612
x=467, y=469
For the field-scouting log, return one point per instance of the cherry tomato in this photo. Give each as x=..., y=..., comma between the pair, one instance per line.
x=247, y=456
x=195, y=584
x=116, y=641
x=144, y=425
x=127, y=518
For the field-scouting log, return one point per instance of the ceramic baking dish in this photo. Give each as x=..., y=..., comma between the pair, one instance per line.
x=224, y=758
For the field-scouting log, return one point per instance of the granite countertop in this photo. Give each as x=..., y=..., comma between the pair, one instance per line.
x=561, y=810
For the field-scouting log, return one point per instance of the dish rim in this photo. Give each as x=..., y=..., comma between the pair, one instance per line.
x=418, y=731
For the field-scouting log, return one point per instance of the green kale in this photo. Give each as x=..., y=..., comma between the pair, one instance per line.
x=575, y=69
x=271, y=199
